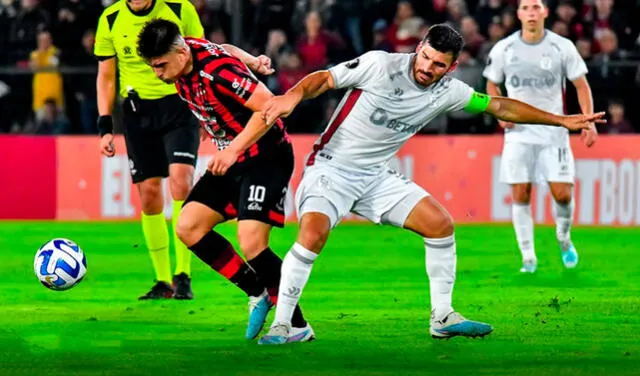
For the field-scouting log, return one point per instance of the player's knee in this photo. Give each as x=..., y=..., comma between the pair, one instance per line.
x=252, y=241
x=151, y=197
x=443, y=226
x=180, y=186
x=188, y=231
x=312, y=238
x=563, y=198
x=521, y=195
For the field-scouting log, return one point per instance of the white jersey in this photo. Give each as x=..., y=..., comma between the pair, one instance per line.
x=383, y=108
x=535, y=74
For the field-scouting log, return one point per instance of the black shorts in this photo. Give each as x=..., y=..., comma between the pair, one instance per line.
x=160, y=132
x=257, y=192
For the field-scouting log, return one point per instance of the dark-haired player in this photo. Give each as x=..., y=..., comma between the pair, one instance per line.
x=246, y=179
x=390, y=97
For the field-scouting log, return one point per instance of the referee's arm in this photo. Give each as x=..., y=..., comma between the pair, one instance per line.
x=105, y=52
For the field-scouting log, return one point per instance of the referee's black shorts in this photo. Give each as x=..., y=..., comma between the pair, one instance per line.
x=158, y=133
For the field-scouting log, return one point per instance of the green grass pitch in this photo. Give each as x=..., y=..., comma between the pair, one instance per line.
x=367, y=301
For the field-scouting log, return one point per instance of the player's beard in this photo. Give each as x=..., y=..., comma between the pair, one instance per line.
x=423, y=78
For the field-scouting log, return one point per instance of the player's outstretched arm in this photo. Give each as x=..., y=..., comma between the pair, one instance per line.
x=258, y=64
x=513, y=110
x=252, y=132
x=311, y=86
x=494, y=90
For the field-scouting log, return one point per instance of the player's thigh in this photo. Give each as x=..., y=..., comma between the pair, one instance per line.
x=218, y=193
x=557, y=164
x=263, y=189
x=389, y=199
x=329, y=191
x=145, y=147
x=195, y=221
x=517, y=164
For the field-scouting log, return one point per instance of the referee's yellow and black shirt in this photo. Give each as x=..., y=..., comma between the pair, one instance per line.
x=117, y=36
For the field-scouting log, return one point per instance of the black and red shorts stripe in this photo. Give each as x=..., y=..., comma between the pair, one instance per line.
x=255, y=191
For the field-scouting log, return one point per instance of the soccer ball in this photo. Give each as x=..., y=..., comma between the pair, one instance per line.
x=60, y=264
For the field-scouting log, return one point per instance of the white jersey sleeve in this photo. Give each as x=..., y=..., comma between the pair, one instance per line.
x=357, y=72
x=494, y=70
x=459, y=95
x=573, y=64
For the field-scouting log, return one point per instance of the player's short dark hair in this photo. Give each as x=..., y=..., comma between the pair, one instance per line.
x=157, y=38
x=445, y=39
x=544, y=2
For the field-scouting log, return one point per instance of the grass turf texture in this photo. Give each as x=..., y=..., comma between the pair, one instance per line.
x=367, y=301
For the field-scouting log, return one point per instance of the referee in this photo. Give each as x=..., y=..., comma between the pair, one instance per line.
x=161, y=134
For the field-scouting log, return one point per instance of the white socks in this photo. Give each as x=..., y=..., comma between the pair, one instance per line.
x=296, y=268
x=564, y=219
x=523, y=225
x=441, y=269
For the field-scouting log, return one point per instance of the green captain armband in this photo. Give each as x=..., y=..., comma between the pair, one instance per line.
x=478, y=103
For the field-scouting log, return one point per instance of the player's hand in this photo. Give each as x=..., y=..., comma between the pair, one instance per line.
x=262, y=65
x=506, y=124
x=106, y=145
x=576, y=122
x=279, y=106
x=222, y=161
x=589, y=135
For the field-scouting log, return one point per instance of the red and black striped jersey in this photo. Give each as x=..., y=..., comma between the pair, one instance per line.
x=216, y=90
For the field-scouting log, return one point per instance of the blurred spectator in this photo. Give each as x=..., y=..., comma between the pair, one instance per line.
x=489, y=14
x=472, y=38
x=277, y=44
x=24, y=30
x=409, y=35
x=509, y=21
x=468, y=71
x=606, y=78
x=456, y=10
x=404, y=12
x=8, y=12
x=585, y=47
x=561, y=28
x=47, y=81
x=617, y=122
x=83, y=86
x=496, y=32
x=348, y=16
x=53, y=120
x=318, y=47
x=217, y=36
x=380, y=41
x=567, y=13
x=604, y=17
x=291, y=71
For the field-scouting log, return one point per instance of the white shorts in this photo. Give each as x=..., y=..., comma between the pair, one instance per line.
x=383, y=196
x=534, y=163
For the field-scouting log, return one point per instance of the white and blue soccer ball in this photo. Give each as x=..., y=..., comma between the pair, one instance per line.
x=60, y=264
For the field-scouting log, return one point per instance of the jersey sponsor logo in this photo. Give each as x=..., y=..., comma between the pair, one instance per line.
x=206, y=75
x=393, y=75
x=545, y=63
x=398, y=92
x=535, y=82
x=353, y=63
x=127, y=50
x=241, y=87
x=380, y=117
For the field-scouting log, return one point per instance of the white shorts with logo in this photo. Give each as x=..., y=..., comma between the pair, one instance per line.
x=536, y=163
x=383, y=196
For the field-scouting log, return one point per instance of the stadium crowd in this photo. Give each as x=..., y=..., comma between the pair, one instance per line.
x=47, y=68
